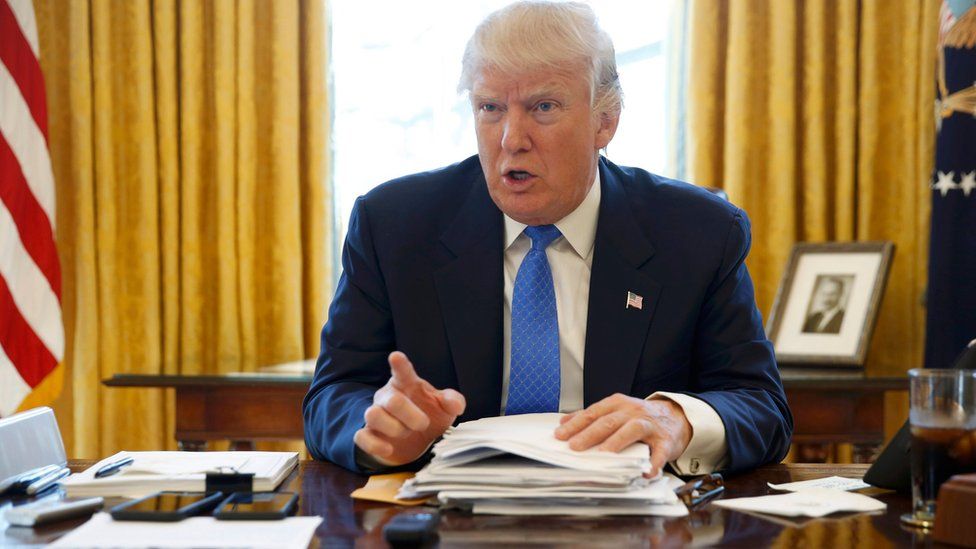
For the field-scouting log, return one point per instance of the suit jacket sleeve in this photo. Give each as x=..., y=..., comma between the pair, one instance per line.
x=737, y=372
x=356, y=342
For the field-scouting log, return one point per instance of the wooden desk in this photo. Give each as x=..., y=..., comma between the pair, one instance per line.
x=325, y=492
x=829, y=407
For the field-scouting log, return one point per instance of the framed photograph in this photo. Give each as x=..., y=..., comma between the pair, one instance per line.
x=827, y=303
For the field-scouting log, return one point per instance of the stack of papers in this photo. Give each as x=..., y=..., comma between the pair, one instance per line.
x=515, y=465
x=152, y=472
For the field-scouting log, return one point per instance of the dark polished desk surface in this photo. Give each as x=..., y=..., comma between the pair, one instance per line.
x=325, y=489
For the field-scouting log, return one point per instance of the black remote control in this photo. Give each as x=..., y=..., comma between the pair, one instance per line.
x=412, y=528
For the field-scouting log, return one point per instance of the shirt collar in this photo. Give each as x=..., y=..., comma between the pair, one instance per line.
x=579, y=227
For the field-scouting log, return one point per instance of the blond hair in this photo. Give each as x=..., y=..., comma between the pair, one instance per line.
x=539, y=35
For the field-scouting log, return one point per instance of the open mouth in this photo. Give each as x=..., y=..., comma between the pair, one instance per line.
x=518, y=175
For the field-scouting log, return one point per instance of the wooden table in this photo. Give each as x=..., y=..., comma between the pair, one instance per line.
x=838, y=406
x=325, y=492
x=240, y=407
x=829, y=407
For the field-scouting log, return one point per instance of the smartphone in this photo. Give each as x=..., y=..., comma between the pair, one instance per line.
x=257, y=506
x=167, y=506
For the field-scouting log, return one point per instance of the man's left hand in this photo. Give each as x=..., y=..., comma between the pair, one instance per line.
x=618, y=421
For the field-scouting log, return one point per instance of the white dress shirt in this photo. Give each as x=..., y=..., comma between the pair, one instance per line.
x=570, y=259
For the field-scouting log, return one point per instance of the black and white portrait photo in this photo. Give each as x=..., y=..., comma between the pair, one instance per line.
x=828, y=302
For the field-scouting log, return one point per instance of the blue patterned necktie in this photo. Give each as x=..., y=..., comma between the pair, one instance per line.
x=534, y=377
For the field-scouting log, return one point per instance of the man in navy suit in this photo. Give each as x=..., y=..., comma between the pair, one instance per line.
x=829, y=316
x=538, y=276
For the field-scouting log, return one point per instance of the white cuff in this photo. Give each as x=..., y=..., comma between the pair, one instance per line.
x=706, y=450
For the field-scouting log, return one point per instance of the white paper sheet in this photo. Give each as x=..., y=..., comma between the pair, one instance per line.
x=835, y=483
x=509, y=470
x=491, y=507
x=813, y=502
x=102, y=531
x=660, y=491
x=531, y=436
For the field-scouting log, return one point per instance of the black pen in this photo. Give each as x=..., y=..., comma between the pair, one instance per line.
x=112, y=468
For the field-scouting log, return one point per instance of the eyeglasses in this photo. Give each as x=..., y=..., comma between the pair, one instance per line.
x=702, y=489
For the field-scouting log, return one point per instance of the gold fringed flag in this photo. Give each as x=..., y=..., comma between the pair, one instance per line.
x=951, y=312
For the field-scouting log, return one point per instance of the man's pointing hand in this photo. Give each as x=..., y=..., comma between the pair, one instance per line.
x=407, y=415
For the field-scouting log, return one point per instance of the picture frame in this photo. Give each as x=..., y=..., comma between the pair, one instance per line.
x=827, y=302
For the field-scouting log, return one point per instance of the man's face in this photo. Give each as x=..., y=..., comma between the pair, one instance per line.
x=830, y=294
x=538, y=141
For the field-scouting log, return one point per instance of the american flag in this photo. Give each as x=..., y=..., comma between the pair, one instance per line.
x=635, y=301
x=31, y=333
x=951, y=303
x=946, y=20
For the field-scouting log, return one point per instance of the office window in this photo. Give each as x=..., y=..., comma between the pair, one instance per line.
x=395, y=68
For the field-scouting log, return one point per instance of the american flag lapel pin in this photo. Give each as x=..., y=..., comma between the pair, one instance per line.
x=635, y=301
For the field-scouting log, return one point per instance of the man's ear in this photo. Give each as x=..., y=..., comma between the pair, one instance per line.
x=607, y=129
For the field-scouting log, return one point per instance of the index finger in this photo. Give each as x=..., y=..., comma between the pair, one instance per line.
x=582, y=419
x=401, y=370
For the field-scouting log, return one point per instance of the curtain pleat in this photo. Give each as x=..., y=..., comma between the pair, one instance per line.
x=896, y=151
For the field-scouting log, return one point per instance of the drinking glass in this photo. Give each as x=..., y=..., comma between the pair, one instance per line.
x=943, y=425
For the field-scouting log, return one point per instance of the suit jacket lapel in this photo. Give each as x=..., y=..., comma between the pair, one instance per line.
x=470, y=290
x=615, y=333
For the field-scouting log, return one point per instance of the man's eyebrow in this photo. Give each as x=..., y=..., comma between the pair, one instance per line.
x=480, y=98
x=553, y=91
x=549, y=92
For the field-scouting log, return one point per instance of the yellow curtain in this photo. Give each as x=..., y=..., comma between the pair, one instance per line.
x=817, y=118
x=188, y=141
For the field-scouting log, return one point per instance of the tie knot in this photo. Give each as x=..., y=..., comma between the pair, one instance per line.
x=542, y=235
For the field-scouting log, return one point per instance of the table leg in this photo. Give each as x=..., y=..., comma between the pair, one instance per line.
x=808, y=452
x=867, y=452
x=242, y=445
x=192, y=445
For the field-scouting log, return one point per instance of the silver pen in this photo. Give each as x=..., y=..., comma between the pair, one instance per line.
x=43, y=483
